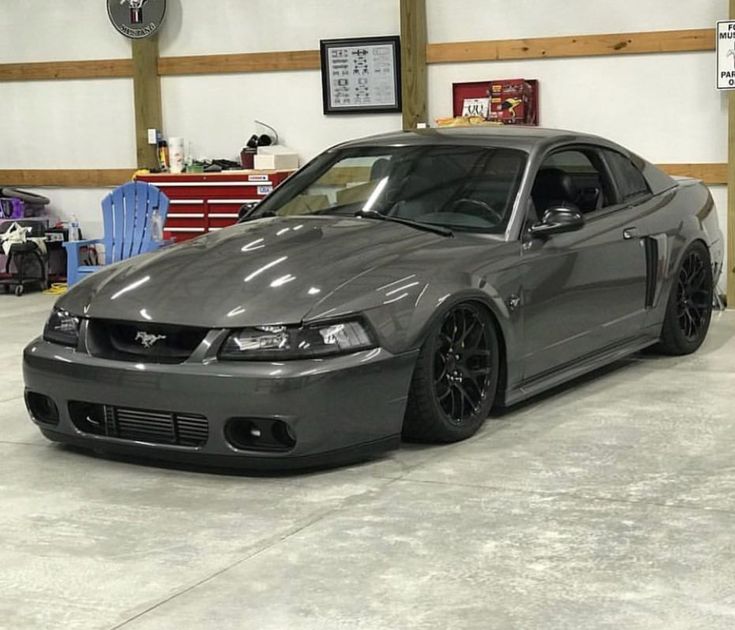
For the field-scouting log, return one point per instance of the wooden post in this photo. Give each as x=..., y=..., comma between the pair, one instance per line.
x=147, y=88
x=413, y=62
x=730, y=229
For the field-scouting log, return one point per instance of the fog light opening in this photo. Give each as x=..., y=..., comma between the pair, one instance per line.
x=42, y=408
x=88, y=417
x=256, y=434
x=282, y=433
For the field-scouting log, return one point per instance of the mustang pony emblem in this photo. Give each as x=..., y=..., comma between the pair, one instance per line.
x=136, y=10
x=148, y=340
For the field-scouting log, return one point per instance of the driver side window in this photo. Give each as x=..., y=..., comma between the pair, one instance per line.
x=569, y=178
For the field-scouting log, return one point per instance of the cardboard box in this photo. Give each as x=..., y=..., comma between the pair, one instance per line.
x=276, y=158
x=513, y=102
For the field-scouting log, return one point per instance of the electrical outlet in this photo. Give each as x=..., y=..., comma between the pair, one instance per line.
x=153, y=136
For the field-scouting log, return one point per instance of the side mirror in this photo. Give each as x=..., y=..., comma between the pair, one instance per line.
x=557, y=220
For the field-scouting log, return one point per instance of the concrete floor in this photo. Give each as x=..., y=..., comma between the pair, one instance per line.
x=608, y=504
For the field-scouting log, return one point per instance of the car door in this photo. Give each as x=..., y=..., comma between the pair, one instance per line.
x=584, y=291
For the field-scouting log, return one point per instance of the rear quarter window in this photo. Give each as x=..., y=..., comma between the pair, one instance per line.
x=630, y=180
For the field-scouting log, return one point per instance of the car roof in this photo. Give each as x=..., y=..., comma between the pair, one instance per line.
x=520, y=137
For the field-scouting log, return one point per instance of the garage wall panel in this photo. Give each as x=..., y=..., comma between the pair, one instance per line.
x=241, y=26
x=452, y=21
x=67, y=124
x=50, y=30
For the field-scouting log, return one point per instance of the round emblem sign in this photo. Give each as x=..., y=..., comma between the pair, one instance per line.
x=136, y=18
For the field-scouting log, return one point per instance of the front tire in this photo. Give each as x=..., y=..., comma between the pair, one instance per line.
x=456, y=377
x=689, y=310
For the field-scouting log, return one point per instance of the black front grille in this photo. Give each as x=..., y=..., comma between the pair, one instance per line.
x=140, y=425
x=132, y=341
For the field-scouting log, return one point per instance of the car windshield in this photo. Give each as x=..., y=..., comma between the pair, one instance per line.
x=463, y=188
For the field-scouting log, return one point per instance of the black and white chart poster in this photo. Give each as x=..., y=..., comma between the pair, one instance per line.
x=361, y=75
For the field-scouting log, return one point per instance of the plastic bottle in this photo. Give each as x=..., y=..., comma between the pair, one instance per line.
x=74, y=228
x=156, y=226
x=189, y=157
x=163, y=157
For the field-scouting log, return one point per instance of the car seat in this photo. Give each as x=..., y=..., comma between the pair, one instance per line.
x=553, y=187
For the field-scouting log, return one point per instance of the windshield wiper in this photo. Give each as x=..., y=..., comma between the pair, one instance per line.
x=427, y=227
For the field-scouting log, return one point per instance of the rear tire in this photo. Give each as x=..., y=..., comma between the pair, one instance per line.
x=689, y=309
x=456, y=377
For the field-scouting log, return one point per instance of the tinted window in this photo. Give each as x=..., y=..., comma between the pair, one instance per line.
x=571, y=162
x=464, y=188
x=571, y=177
x=631, y=182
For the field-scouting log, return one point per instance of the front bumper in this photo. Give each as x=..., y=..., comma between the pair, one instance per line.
x=339, y=409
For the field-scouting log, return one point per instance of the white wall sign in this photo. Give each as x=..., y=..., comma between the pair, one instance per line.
x=726, y=55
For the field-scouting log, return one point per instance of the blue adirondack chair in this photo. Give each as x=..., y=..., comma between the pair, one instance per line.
x=126, y=213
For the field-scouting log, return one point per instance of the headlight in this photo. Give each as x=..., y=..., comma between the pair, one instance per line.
x=62, y=327
x=284, y=342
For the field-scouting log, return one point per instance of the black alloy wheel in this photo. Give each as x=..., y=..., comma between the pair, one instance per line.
x=690, y=305
x=456, y=377
x=693, y=296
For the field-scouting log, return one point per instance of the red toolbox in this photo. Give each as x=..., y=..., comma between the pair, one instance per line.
x=205, y=202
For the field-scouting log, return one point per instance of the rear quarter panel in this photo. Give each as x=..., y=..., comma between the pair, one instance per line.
x=686, y=213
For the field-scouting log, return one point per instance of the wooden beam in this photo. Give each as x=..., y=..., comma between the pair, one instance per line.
x=574, y=46
x=730, y=228
x=710, y=174
x=414, y=94
x=246, y=62
x=50, y=70
x=537, y=48
x=66, y=178
x=147, y=90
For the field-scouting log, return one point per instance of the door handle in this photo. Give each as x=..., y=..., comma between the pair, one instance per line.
x=629, y=233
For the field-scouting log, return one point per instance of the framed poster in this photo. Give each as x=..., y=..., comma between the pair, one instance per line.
x=361, y=75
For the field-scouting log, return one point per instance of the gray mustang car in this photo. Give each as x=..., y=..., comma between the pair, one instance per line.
x=396, y=285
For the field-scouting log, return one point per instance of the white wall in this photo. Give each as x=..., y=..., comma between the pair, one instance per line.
x=195, y=27
x=451, y=21
x=663, y=106
x=67, y=124
x=46, y=30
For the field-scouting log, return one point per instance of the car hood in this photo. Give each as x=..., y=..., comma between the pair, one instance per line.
x=268, y=271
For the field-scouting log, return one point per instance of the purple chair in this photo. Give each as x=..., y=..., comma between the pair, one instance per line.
x=127, y=213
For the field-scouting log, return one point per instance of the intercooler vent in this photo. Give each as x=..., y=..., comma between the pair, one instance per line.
x=140, y=425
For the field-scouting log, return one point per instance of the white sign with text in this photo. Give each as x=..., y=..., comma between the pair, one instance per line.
x=726, y=55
